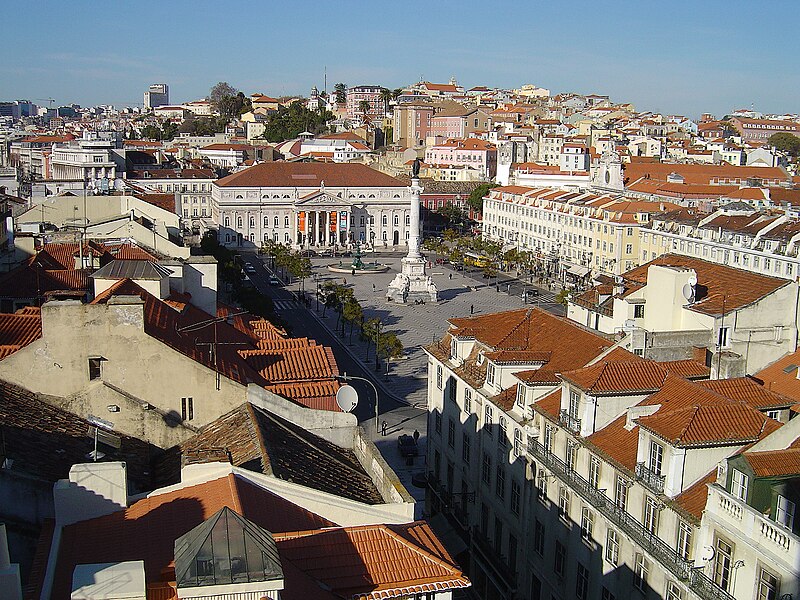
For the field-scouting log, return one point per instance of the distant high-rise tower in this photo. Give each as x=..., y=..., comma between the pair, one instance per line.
x=156, y=95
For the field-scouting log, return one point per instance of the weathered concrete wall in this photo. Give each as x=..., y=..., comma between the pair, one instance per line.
x=146, y=369
x=383, y=476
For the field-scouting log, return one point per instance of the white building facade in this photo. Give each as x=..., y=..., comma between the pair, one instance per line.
x=312, y=205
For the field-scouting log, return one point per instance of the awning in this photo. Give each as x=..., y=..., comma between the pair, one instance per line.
x=578, y=271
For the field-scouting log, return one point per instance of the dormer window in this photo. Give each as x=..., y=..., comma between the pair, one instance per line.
x=521, y=394
x=739, y=482
x=453, y=348
x=490, y=374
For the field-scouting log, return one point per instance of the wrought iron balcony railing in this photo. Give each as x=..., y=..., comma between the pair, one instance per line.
x=569, y=421
x=653, y=480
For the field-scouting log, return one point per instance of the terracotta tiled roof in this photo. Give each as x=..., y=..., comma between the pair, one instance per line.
x=617, y=443
x=30, y=282
x=748, y=390
x=506, y=398
x=19, y=330
x=518, y=356
x=371, y=562
x=45, y=441
x=782, y=376
x=256, y=439
x=618, y=377
x=162, y=201
x=690, y=369
x=775, y=463
x=550, y=405
x=706, y=425
x=716, y=284
x=700, y=174
x=693, y=499
x=150, y=526
x=308, y=175
x=290, y=364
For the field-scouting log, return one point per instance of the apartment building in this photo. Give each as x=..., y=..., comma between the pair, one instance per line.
x=592, y=482
x=760, y=130
x=372, y=95
x=674, y=304
x=571, y=233
x=467, y=153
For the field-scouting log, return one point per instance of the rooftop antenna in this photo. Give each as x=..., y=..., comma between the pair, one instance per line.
x=212, y=346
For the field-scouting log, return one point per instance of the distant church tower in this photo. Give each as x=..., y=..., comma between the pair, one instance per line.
x=608, y=173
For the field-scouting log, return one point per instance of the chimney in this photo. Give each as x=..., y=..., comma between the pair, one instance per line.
x=93, y=490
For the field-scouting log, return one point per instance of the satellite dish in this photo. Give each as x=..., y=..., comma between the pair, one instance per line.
x=347, y=398
x=688, y=292
x=692, y=279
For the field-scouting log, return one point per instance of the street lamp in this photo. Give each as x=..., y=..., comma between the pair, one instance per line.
x=345, y=377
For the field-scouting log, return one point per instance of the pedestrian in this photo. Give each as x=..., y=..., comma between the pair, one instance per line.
x=344, y=281
x=451, y=275
x=373, y=287
x=416, y=435
x=471, y=308
x=383, y=427
x=353, y=272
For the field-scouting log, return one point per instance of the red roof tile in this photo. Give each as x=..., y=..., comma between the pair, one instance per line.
x=693, y=499
x=618, y=377
x=775, y=463
x=783, y=376
x=746, y=389
x=617, y=443
x=19, y=330
x=309, y=175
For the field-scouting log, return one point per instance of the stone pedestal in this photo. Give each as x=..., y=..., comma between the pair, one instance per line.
x=412, y=284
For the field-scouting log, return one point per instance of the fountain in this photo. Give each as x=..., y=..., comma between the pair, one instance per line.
x=358, y=267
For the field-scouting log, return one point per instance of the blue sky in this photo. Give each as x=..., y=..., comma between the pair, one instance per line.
x=678, y=56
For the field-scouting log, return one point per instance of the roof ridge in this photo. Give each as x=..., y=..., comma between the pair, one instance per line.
x=415, y=547
x=255, y=431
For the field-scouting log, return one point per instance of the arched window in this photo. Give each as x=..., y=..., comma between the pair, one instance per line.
x=266, y=237
x=266, y=221
x=384, y=236
x=286, y=221
x=396, y=220
x=252, y=237
x=238, y=196
x=286, y=237
x=396, y=196
x=372, y=195
x=227, y=237
x=408, y=220
x=239, y=222
x=227, y=221
x=275, y=236
x=385, y=220
x=252, y=221
x=361, y=195
x=276, y=220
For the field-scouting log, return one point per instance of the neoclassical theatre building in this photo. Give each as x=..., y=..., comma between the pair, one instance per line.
x=312, y=205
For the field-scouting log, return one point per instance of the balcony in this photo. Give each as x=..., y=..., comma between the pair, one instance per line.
x=570, y=422
x=753, y=527
x=651, y=479
x=667, y=556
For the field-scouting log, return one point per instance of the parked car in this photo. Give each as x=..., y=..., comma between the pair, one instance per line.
x=274, y=280
x=248, y=268
x=407, y=445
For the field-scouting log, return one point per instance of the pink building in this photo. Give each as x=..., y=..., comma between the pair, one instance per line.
x=470, y=152
x=372, y=95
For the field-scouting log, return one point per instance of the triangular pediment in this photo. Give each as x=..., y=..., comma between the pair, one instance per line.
x=323, y=198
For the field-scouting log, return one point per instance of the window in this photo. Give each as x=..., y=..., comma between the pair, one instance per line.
x=252, y=221
x=594, y=472
x=650, y=517
x=563, y=503
x=498, y=535
x=607, y=595
x=227, y=221
x=484, y=519
x=656, y=457
x=487, y=420
x=439, y=377
x=239, y=222
x=638, y=311
x=95, y=368
x=286, y=221
x=621, y=493
x=549, y=437
x=538, y=537
x=582, y=582
x=437, y=422
x=674, y=592
x=437, y=464
x=500, y=483
x=587, y=523
x=612, y=547
x=512, y=551
x=784, y=512
x=684, y=545
x=486, y=468
x=451, y=433
x=541, y=486
x=723, y=563
x=515, y=496
x=572, y=456
x=502, y=438
x=641, y=566
x=467, y=400
x=385, y=220
x=560, y=559
x=722, y=337
x=517, y=443
x=490, y=374
x=768, y=585
x=465, y=447
x=739, y=484
x=187, y=409
x=574, y=402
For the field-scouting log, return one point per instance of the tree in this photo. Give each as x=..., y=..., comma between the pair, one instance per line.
x=562, y=297
x=386, y=97
x=389, y=345
x=396, y=93
x=785, y=142
x=364, y=107
x=287, y=122
x=219, y=93
x=475, y=199
x=340, y=91
x=151, y=132
x=352, y=313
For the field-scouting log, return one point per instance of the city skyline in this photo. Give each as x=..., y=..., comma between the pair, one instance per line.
x=678, y=59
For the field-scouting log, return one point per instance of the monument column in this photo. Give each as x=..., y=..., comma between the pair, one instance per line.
x=413, y=236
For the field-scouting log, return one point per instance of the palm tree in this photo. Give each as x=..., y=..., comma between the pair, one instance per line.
x=386, y=96
x=364, y=107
